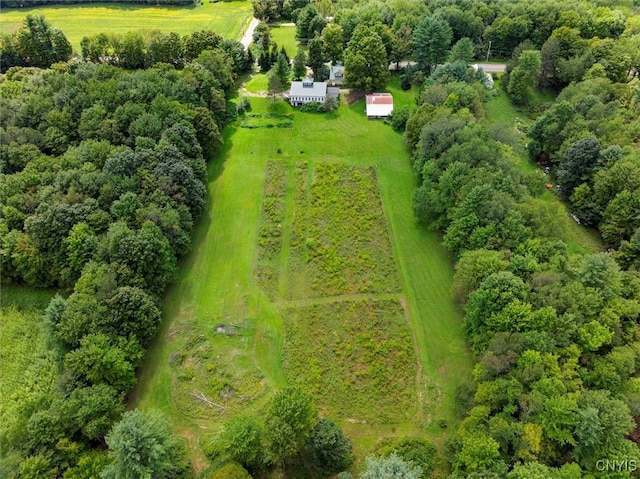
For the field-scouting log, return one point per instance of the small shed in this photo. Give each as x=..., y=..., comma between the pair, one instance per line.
x=379, y=105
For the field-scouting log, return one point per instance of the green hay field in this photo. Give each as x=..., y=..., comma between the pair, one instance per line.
x=228, y=19
x=240, y=327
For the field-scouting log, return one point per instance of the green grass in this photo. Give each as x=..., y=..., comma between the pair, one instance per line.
x=28, y=369
x=258, y=83
x=228, y=19
x=217, y=284
x=400, y=97
x=285, y=37
x=499, y=109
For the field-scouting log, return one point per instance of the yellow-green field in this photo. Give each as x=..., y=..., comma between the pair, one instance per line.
x=228, y=19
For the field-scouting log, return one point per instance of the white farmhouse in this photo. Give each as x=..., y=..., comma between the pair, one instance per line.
x=307, y=91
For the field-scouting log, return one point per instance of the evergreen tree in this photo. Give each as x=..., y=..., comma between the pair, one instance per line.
x=299, y=65
x=431, y=42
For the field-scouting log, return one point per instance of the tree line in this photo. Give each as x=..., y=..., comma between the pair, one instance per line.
x=104, y=175
x=38, y=44
x=367, y=36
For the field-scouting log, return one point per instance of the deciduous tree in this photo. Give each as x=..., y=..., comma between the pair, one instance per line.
x=288, y=423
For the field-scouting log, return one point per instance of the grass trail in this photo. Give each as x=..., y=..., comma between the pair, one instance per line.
x=228, y=19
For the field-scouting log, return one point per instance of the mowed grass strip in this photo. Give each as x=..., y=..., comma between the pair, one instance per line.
x=228, y=19
x=361, y=364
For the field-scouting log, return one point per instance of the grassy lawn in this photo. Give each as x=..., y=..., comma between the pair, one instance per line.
x=285, y=36
x=228, y=19
x=223, y=320
x=500, y=110
x=258, y=83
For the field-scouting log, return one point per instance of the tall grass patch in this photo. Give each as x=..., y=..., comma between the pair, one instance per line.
x=360, y=364
x=271, y=225
x=28, y=368
x=340, y=244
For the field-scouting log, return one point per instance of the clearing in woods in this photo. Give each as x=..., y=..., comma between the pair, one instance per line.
x=228, y=19
x=309, y=267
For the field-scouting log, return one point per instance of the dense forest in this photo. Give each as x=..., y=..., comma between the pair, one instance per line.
x=555, y=334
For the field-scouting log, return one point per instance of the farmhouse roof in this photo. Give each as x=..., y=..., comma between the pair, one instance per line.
x=308, y=88
x=336, y=71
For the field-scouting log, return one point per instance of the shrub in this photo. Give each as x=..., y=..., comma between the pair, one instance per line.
x=331, y=103
x=312, y=107
x=243, y=105
x=399, y=118
x=232, y=470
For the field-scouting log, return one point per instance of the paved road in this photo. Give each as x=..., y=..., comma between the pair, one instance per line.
x=248, y=35
x=487, y=67
x=493, y=67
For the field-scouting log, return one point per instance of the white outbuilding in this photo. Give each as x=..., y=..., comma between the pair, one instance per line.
x=379, y=105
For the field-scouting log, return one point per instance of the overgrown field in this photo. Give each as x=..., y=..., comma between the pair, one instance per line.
x=360, y=365
x=228, y=19
x=28, y=368
x=325, y=258
x=269, y=288
x=338, y=239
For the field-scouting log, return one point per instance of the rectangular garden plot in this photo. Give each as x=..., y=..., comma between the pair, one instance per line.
x=355, y=357
x=339, y=240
